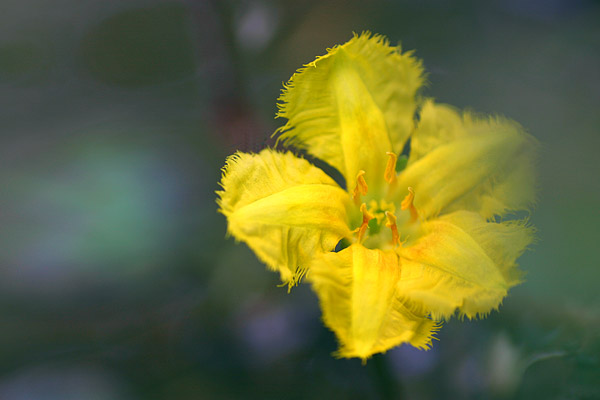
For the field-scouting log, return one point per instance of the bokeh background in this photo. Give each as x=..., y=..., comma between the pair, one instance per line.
x=116, y=279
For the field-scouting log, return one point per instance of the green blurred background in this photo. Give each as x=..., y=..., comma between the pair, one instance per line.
x=116, y=279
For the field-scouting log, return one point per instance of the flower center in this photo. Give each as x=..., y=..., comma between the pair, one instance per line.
x=379, y=225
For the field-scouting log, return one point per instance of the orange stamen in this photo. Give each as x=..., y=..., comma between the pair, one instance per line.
x=407, y=203
x=365, y=222
x=391, y=223
x=361, y=187
x=390, y=169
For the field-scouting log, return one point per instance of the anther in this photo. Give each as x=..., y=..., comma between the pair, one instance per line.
x=365, y=222
x=407, y=203
x=361, y=187
x=391, y=223
x=390, y=169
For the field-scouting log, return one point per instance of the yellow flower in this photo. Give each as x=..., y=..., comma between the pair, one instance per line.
x=422, y=244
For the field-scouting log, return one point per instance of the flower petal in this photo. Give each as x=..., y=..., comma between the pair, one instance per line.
x=462, y=262
x=463, y=162
x=357, y=288
x=352, y=105
x=503, y=242
x=284, y=208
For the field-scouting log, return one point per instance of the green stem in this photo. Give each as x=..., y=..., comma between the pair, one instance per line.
x=386, y=385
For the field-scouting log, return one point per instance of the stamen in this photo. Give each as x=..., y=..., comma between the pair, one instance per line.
x=361, y=187
x=390, y=169
x=365, y=222
x=391, y=223
x=407, y=203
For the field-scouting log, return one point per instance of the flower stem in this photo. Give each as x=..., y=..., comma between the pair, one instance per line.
x=388, y=388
